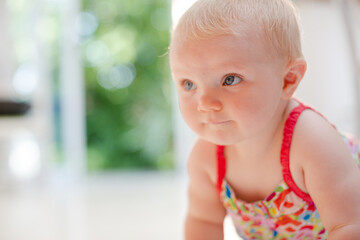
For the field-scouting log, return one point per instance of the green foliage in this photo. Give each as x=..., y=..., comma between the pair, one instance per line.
x=127, y=84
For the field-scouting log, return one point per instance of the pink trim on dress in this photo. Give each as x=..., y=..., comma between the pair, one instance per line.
x=221, y=166
x=285, y=151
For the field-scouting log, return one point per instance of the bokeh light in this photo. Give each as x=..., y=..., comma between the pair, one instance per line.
x=97, y=52
x=119, y=76
x=87, y=24
x=24, y=159
x=26, y=79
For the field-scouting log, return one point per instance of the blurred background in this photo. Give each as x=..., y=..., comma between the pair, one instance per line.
x=92, y=143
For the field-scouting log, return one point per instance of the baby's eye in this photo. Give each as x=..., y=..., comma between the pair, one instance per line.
x=189, y=85
x=232, y=80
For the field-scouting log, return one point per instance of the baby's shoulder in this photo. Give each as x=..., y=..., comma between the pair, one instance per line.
x=315, y=140
x=203, y=158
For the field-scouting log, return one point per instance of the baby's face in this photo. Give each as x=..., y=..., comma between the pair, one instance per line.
x=229, y=88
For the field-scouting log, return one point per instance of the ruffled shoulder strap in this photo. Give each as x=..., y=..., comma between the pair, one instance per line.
x=221, y=166
x=285, y=150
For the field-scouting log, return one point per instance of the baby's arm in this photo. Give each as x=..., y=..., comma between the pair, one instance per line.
x=332, y=177
x=205, y=212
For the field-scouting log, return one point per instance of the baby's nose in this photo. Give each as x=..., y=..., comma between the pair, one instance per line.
x=209, y=103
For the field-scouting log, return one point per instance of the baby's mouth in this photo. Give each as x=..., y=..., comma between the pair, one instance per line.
x=217, y=122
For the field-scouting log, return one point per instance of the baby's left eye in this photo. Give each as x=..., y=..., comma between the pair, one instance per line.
x=232, y=80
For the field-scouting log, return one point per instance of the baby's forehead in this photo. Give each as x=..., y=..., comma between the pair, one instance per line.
x=184, y=48
x=248, y=35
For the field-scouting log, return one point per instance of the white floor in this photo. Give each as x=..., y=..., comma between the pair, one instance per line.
x=124, y=206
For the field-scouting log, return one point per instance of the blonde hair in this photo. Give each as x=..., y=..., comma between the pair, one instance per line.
x=276, y=22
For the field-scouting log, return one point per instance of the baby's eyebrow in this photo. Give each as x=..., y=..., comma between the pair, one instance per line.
x=180, y=80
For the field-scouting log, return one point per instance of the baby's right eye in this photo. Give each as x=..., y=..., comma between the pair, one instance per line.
x=189, y=85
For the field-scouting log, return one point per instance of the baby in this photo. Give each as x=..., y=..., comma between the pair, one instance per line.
x=275, y=165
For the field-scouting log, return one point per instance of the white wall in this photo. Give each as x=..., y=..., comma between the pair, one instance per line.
x=328, y=84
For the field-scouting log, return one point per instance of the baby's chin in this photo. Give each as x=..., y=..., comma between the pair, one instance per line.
x=219, y=141
x=218, y=137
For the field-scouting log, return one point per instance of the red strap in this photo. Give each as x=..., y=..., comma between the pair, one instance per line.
x=221, y=166
x=285, y=151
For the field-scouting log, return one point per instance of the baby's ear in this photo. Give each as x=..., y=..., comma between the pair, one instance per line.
x=294, y=73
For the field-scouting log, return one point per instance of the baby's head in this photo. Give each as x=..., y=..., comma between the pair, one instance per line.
x=235, y=64
x=275, y=22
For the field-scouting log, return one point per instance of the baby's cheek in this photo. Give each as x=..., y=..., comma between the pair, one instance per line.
x=188, y=112
x=248, y=112
x=245, y=107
